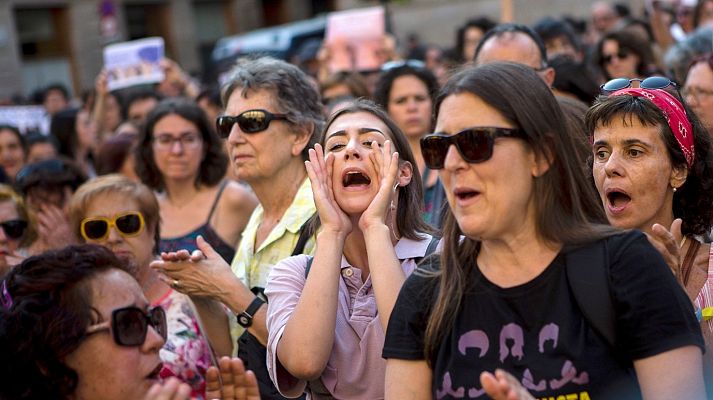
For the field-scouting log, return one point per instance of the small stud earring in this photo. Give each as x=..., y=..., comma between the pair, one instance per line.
x=674, y=189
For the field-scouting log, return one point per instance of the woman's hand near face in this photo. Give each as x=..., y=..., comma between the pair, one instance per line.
x=668, y=242
x=320, y=170
x=237, y=383
x=386, y=165
x=53, y=227
x=503, y=386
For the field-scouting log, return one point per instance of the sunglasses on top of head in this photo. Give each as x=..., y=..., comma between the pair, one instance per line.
x=130, y=325
x=475, y=145
x=250, y=121
x=97, y=228
x=652, y=82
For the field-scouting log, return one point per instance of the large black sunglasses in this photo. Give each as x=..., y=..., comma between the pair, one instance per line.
x=652, y=82
x=475, y=145
x=130, y=325
x=14, y=229
x=250, y=121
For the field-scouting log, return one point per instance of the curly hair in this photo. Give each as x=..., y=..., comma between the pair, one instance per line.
x=692, y=201
x=214, y=162
x=47, y=320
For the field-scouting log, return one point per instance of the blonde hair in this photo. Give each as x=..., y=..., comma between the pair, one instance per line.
x=121, y=186
x=8, y=194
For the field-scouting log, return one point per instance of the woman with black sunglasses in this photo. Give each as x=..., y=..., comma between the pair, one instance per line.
x=76, y=325
x=17, y=231
x=122, y=215
x=653, y=168
x=506, y=294
x=624, y=54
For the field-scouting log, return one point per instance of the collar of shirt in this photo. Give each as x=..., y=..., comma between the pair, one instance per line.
x=405, y=249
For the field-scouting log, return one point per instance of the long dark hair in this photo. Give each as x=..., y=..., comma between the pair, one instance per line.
x=692, y=201
x=567, y=208
x=50, y=312
x=408, y=214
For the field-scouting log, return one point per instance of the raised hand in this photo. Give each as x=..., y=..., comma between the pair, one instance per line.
x=386, y=165
x=198, y=274
x=320, y=171
x=237, y=383
x=171, y=389
x=503, y=386
x=668, y=242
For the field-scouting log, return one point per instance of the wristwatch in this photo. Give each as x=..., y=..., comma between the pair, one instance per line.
x=245, y=318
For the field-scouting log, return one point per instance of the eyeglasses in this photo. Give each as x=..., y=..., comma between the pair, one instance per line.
x=416, y=64
x=621, y=54
x=187, y=141
x=475, y=145
x=652, y=82
x=130, y=325
x=250, y=121
x=97, y=228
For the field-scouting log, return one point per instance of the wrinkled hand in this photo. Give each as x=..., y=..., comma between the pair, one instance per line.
x=386, y=165
x=503, y=386
x=53, y=227
x=667, y=242
x=320, y=171
x=201, y=273
x=237, y=384
x=171, y=389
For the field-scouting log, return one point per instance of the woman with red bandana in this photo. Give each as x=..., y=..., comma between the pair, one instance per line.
x=653, y=168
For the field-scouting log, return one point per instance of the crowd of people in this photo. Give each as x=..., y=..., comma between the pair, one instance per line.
x=527, y=215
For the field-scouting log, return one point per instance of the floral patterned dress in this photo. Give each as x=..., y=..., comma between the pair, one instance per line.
x=187, y=353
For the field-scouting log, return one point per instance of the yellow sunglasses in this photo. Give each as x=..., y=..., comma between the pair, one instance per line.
x=127, y=224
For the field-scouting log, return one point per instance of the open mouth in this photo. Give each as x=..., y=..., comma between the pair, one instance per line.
x=618, y=199
x=155, y=374
x=465, y=194
x=355, y=179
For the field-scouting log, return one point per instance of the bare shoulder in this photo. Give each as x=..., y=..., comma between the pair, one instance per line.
x=239, y=197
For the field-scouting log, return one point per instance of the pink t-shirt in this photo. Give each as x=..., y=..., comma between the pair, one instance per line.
x=355, y=369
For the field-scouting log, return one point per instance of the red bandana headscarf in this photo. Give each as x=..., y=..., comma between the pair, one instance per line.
x=674, y=113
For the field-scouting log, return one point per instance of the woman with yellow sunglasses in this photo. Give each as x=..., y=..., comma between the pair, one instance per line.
x=122, y=215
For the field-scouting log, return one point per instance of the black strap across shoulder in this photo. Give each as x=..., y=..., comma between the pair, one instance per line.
x=588, y=277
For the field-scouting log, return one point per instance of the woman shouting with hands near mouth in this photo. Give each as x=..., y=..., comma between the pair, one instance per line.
x=368, y=200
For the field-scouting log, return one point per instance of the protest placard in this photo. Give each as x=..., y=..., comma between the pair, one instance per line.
x=25, y=118
x=134, y=63
x=355, y=39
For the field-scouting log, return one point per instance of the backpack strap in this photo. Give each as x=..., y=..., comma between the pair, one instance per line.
x=305, y=234
x=432, y=245
x=588, y=277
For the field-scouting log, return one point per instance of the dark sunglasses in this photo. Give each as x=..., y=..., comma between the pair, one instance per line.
x=250, y=121
x=14, y=229
x=475, y=145
x=97, y=228
x=652, y=82
x=621, y=54
x=130, y=325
